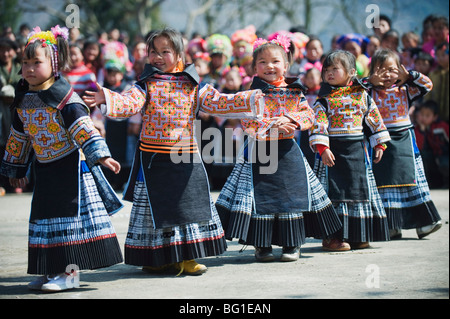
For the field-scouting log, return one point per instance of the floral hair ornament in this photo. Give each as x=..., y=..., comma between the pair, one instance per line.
x=281, y=40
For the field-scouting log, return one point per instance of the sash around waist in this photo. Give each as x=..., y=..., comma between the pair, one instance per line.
x=169, y=148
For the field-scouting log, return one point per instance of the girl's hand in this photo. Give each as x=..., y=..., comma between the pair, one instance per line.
x=403, y=75
x=328, y=158
x=378, y=77
x=287, y=128
x=110, y=163
x=281, y=120
x=93, y=99
x=18, y=182
x=377, y=155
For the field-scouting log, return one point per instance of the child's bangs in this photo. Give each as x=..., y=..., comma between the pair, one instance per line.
x=31, y=48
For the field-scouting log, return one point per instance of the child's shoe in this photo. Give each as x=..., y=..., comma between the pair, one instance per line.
x=335, y=244
x=359, y=245
x=290, y=254
x=190, y=267
x=395, y=234
x=61, y=282
x=426, y=230
x=264, y=254
x=37, y=284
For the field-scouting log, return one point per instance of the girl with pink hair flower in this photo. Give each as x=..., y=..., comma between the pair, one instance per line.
x=279, y=204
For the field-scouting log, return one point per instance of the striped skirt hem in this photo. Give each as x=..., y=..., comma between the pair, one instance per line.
x=87, y=241
x=148, y=246
x=410, y=206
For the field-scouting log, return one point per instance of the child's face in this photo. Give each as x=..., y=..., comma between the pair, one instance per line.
x=76, y=56
x=113, y=77
x=312, y=79
x=314, y=50
x=392, y=72
x=233, y=81
x=91, y=52
x=270, y=65
x=426, y=116
x=7, y=54
x=336, y=75
x=201, y=66
x=442, y=58
x=440, y=31
x=37, y=69
x=373, y=45
x=353, y=48
x=140, y=51
x=422, y=66
x=390, y=43
x=163, y=56
x=218, y=60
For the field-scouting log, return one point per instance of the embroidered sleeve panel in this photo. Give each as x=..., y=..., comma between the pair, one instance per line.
x=419, y=86
x=17, y=155
x=375, y=122
x=257, y=128
x=303, y=116
x=319, y=130
x=124, y=105
x=240, y=105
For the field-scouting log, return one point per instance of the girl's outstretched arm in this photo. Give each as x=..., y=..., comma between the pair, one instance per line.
x=93, y=99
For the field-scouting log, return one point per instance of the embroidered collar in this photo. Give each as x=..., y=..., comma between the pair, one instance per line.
x=55, y=96
x=292, y=83
x=326, y=89
x=189, y=71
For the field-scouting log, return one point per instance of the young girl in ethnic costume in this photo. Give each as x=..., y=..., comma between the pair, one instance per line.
x=344, y=112
x=285, y=205
x=400, y=176
x=69, y=228
x=173, y=220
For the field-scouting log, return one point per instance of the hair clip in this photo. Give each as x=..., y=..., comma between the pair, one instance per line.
x=280, y=40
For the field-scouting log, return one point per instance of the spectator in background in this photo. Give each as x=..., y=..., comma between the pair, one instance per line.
x=9, y=77
x=433, y=142
x=80, y=77
x=410, y=42
x=92, y=55
x=373, y=45
x=439, y=77
x=313, y=54
x=385, y=24
x=390, y=40
x=423, y=63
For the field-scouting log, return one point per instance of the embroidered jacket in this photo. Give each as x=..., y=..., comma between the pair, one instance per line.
x=342, y=111
x=394, y=103
x=288, y=101
x=51, y=124
x=170, y=102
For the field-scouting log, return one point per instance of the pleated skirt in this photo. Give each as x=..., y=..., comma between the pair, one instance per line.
x=409, y=207
x=86, y=241
x=362, y=221
x=146, y=245
x=240, y=217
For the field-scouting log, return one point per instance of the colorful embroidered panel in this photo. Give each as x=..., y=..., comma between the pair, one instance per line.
x=49, y=139
x=173, y=103
x=17, y=148
x=394, y=103
x=289, y=102
x=344, y=114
